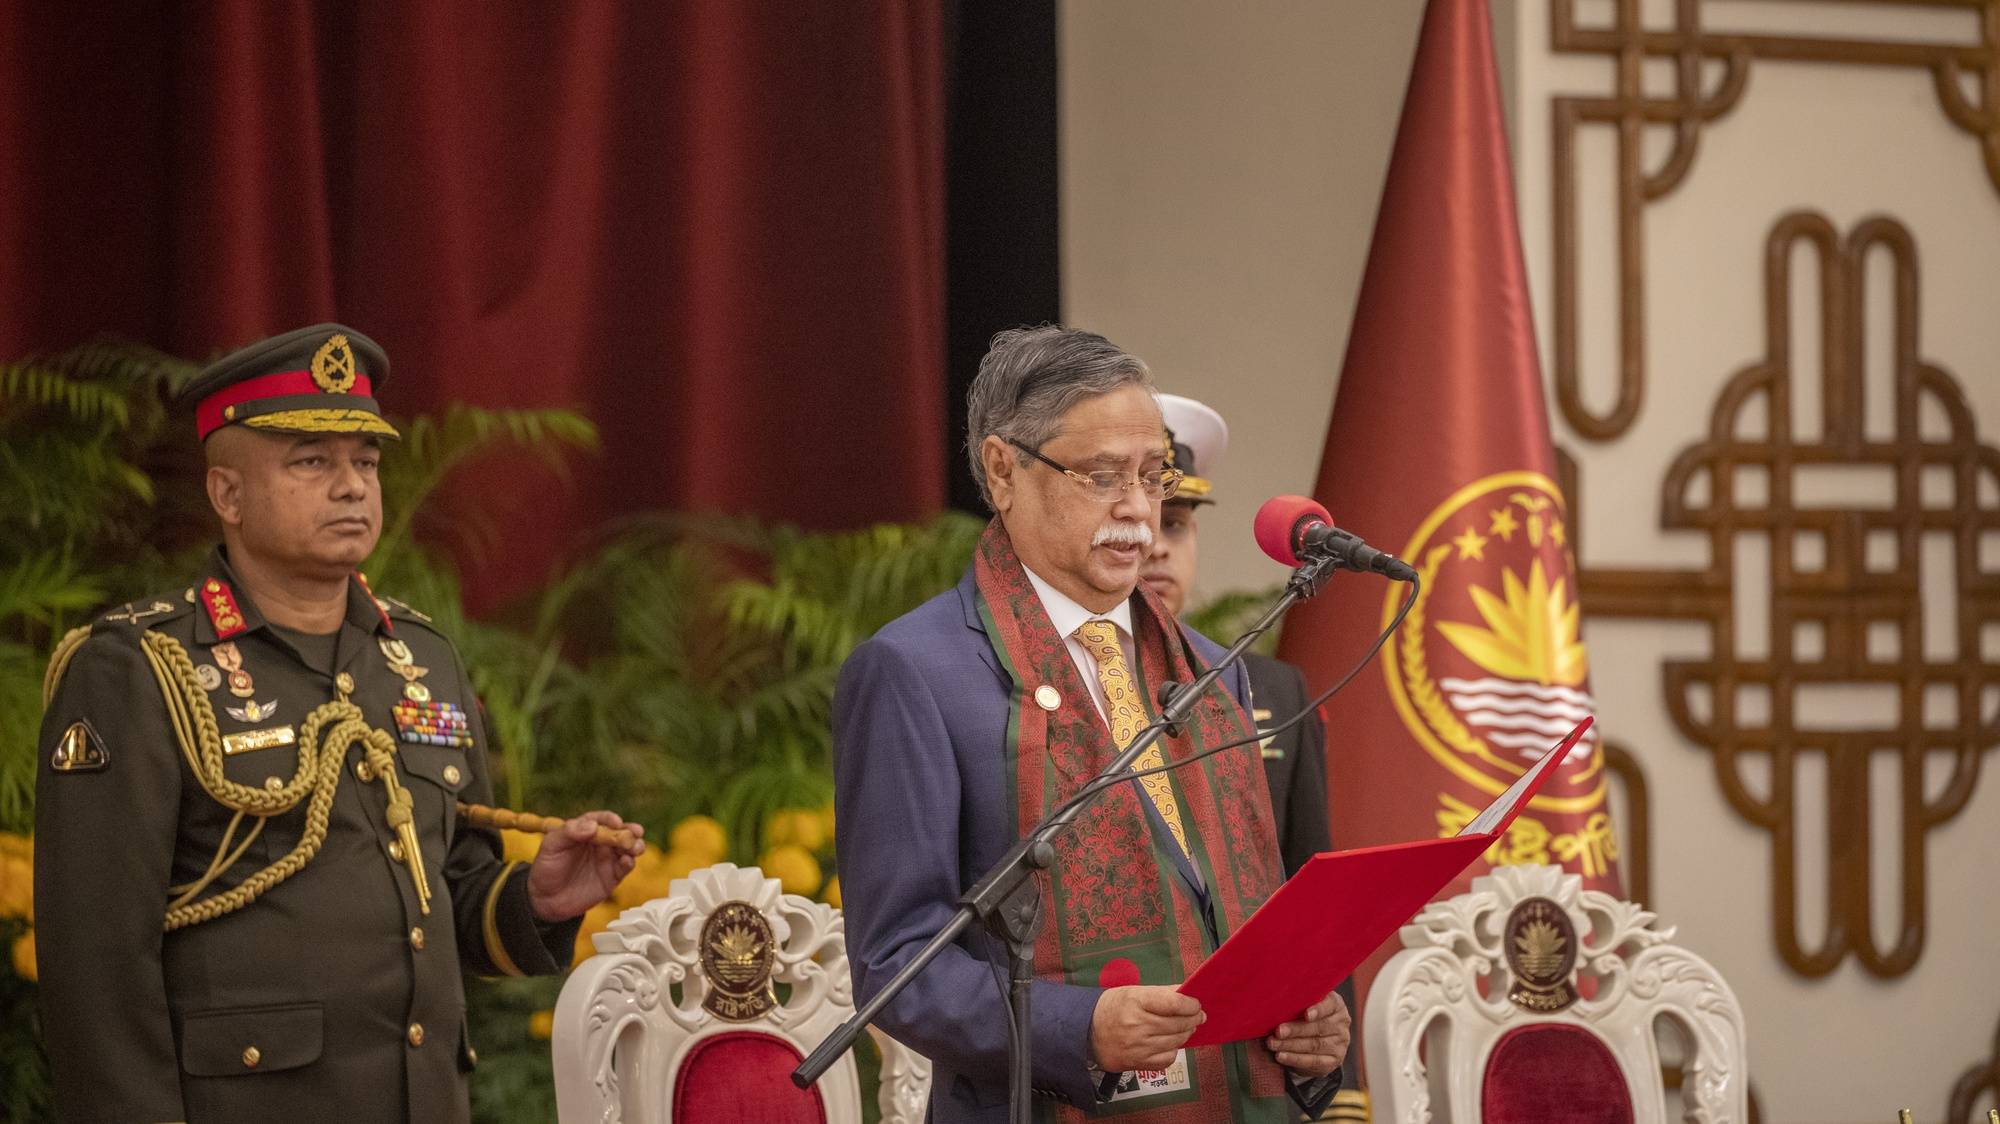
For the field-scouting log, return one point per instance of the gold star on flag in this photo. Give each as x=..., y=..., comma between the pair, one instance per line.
x=1504, y=524
x=1471, y=546
x=1558, y=532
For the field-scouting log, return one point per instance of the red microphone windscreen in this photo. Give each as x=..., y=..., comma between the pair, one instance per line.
x=1276, y=519
x=1118, y=973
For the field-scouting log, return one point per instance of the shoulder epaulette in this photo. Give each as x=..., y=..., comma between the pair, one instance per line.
x=145, y=611
x=133, y=615
x=402, y=609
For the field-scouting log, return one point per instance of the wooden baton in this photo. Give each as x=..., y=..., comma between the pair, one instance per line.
x=480, y=815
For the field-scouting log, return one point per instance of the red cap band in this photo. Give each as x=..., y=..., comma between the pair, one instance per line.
x=213, y=412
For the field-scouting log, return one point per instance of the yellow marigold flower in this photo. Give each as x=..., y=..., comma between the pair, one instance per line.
x=595, y=921
x=17, y=888
x=794, y=868
x=702, y=837
x=800, y=827
x=15, y=846
x=542, y=1025
x=519, y=846
x=24, y=955
x=831, y=895
x=652, y=876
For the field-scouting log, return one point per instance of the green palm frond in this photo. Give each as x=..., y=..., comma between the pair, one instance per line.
x=50, y=479
x=1225, y=616
x=128, y=364
x=20, y=718
x=34, y=383
x=433, y=447
x=43, y=586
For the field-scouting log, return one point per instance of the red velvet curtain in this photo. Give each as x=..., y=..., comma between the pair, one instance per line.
x=715, y=226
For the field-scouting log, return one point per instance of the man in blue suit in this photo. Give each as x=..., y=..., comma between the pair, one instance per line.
x=965, y=721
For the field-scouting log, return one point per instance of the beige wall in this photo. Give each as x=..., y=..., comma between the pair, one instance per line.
x=1848, y=141
x=1221, y=168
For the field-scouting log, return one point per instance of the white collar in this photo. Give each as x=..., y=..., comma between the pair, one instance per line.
x=1066, y=614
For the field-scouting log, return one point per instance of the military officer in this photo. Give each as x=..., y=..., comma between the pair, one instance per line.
x=1294, y=759
x=256, y=896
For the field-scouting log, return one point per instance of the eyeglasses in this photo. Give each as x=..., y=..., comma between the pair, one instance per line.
x=1109, y=485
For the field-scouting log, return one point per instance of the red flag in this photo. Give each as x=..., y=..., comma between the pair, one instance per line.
x=1439, y=452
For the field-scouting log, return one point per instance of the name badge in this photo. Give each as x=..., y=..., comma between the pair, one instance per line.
x=1271, y=752
x=233, y=744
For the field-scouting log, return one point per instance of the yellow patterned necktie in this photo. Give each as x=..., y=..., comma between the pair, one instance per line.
x=1125, y=710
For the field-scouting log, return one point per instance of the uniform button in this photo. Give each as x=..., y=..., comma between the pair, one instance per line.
x=416, y=1034
x=251, y=1057
x=417, y=939
x=396, y=849
x=451, y=774
x=362, y=770
x=273, y=784
x=471, y=1056
x=345, y=682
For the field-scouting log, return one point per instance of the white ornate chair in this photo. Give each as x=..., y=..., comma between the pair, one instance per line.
x=697, y=1006
x=1527, y=1023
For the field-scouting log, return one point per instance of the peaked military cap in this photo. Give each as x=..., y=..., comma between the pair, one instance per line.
x=320, y=379
x=1196, y=439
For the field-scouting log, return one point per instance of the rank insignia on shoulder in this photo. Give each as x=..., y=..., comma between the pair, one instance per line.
x=433, y=723
x=131, y=613
x=79, y=751
x=404, y=607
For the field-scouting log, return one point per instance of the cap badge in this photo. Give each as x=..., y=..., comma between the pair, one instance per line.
x=333, y=365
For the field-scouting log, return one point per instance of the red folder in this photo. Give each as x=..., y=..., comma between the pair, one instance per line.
x=1337, y=909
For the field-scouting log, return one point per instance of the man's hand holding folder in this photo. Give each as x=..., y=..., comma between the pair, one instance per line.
x=1336, y=910
x=1316, y=1043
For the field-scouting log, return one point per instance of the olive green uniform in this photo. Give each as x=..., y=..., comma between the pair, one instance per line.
x=332, y=995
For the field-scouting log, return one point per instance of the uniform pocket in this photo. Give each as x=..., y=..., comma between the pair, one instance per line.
x=435, y=776
x=445, y=768
x=243, y=1040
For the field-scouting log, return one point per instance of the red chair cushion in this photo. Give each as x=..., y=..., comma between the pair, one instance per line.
x=1553, y=1073
x=740, y=1076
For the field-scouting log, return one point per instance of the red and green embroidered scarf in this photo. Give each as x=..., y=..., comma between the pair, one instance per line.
x=1113, y=893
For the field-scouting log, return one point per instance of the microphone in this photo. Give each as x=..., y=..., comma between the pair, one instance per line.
x=1294, y=529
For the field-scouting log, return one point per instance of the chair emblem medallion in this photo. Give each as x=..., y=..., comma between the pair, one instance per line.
x=1541, y=949
x=736, y=955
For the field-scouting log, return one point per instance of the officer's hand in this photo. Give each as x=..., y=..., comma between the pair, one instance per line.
x=1315, y=1044
x=1141, y=1027
x=570, y=873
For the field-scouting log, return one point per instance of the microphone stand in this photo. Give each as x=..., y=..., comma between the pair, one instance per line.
x=1007, y=900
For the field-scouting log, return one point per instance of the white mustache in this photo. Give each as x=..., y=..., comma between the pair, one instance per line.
x=1123, y=534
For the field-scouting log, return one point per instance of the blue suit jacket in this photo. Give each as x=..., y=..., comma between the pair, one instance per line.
x=920, y=791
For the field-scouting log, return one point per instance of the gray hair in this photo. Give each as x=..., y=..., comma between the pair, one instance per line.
x=1031, y=377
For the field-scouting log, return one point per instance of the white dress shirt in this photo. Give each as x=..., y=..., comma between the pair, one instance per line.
x=1067, y=616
